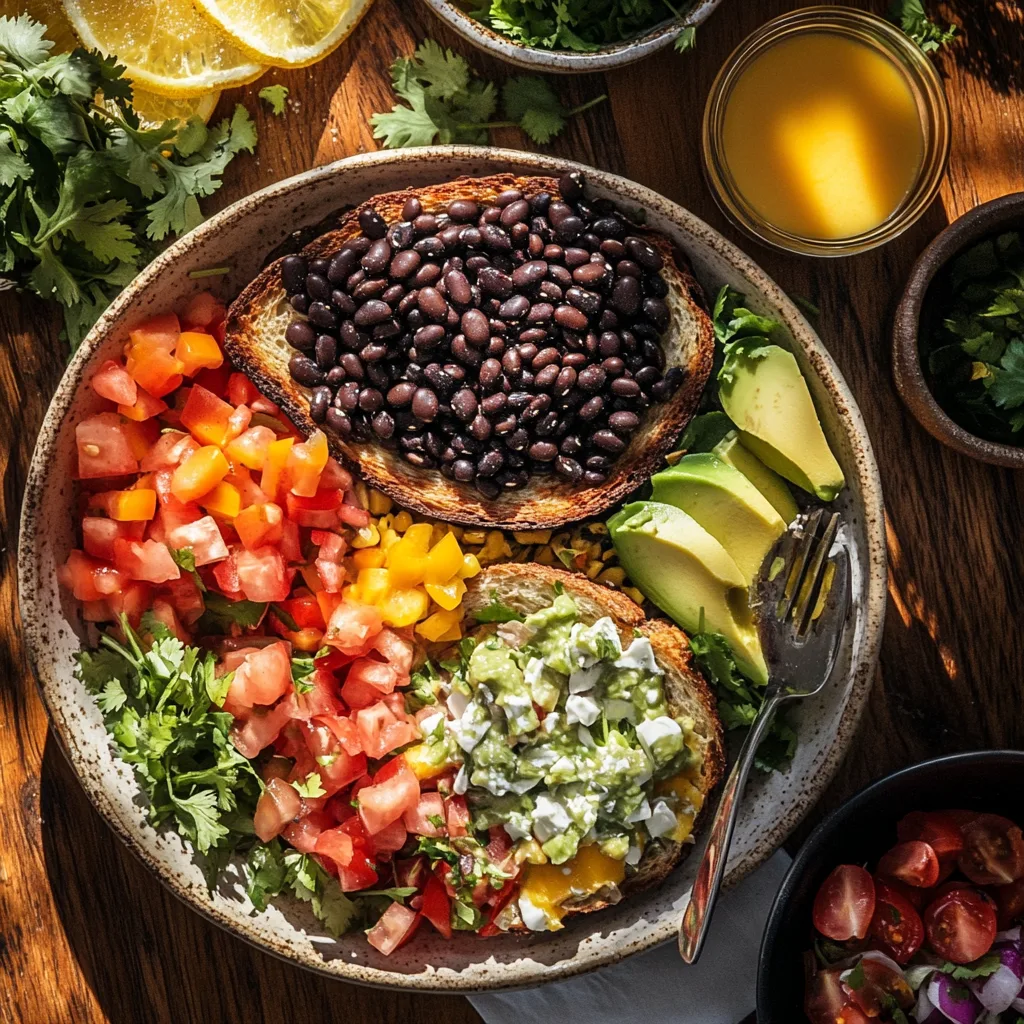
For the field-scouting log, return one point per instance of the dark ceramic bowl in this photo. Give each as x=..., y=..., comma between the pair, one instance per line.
x=1006, y=213
x=860, y=831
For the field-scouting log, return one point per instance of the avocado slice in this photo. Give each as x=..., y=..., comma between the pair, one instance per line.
x=726, y=504
x=766, y=480
x=684, y=570
x=764, y=393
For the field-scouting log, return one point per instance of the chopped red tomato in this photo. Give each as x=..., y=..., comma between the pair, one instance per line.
x=144, y=408
x=103, y=447
x=207, y=417
x=336, y=844
x=395, y=927
x=380, y=729
x=99, y=534
x=259, y=730
x=262, y=574
x=169, y=451
x=162, y=330
x=250, y=448
x=427, y=817
x=437, y=908
x=113, y=382
x=263, y=677
x=147, y=560
x=386, y=801
x=203, y=537
x=457, y=816
x=352, y=625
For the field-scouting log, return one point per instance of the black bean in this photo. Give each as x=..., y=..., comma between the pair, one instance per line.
x=401, y=235
x=463, y=470
x=540, y=313
x=336, y=376
x=433, y=444
x=571, y=318
x=300, y=335
x=489, y=463
x=370, y=400
x=432, y=304
x=430, y=247
x=319, y=403
x=623, y=422
x=371, y=223
x=609, y=441
x=591, y=275
x=339, y=422
x=404, y=264
x=568, y=468
x=480, y=427
x=565, y=381
x=625, y=295
x=644, y=253
x=624, y=387
x=668, y=385
x=514, y=308
x=494, y=404
x=627, y=268
x=463, y=210
x=377, y=257
x=429, y=273
x=475, y=327
x=424, y=405
x=493, y=282
x=305, y=371
x=518, y=440
x=412, y=208
x=515, y=213
x=322, y=315
x=510, y=195
x=326, y=351
x=489, y=373
x=543, y=451
x=571, y=185
x=318, y=287
x=370, y=288
x=540, y=203
x=547, y=376
x=355, y=279
x=352, y=365
x=444, y=381
x=656, y=311
x=545, y=357
x=377, y=374
x=613, y=365
x=371, y=312
x=599, y=463
x=592, y=408
x=350, y=337
x=496, y=347
x=647, y=377
x=401, y=394
x=532, y=336
x=464, y=404
x=609, y=344
x=529, y=274
x=293, y=274
x=593, y=478
x=571, y=445
x=470, y=237
x=495, y=238
x=343, y=302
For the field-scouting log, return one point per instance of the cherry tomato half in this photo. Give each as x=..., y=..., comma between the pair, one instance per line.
x=960, y=925
x=896, y=925
x=1009, y=904
x=879, y=984
x=827, y=1002
x=913, y=862
x=844, y=903
x=940, y=830
x=993, y=852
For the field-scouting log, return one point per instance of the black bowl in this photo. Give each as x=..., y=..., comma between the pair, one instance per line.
x=860, y=831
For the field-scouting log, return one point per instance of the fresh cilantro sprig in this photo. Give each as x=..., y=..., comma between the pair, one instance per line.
x=86, y=191
x=911, y=17
x=274, y=96
x=497, y=611
x=448, y=102
x=580, y=25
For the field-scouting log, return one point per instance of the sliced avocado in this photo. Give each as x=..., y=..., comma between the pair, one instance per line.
x=726, y=504
x=764, y=393
x=683, y=570
x=766, y=480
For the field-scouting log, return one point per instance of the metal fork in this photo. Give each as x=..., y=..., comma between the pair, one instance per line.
x=801, y=647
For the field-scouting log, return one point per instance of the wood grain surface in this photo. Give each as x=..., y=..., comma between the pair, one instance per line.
x=87, y=935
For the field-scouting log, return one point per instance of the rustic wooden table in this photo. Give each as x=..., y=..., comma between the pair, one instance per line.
x=88, y=935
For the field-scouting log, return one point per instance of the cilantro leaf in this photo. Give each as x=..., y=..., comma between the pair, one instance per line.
x=982, y=968
x=274, y=96
x=397, y=893
x=311, y=787
x=1006, y=388
x=445, y=74
x=686, y=40
x=497, y=611
x=532, y=103
x=222, y=614
x=911, y=17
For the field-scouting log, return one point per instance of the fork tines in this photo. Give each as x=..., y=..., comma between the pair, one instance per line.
x=810, y=571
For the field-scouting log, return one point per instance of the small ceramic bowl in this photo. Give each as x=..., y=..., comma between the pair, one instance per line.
x=860, y=831
x=570, y=61
x=1004, y=214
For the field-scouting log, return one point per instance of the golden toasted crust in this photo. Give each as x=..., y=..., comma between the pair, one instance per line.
x=255, y=341
x=528, y=587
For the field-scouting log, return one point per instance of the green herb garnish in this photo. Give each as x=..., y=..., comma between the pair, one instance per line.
x=274, y=96
x=911, y=17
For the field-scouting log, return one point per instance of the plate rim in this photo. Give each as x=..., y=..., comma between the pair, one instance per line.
x=864, y=653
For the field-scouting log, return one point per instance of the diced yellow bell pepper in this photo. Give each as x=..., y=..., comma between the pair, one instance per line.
x=444, y=560
x=403, y=607
x=273, y=468
x=224, y=500
x=388, y=537
x=373, y=585
x=406, y=567
x=134, y=506
x=418, y=759
x=448, y=595
x=470, y=567
x=455, y=633
x=437, y=625
x=402, y=521
x=417, y=536
x=368, y=558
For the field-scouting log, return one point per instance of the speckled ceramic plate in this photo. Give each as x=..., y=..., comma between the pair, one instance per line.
x=571, y=61
x=239, y=237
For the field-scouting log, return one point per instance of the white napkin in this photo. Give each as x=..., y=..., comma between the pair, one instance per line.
x=657, y=987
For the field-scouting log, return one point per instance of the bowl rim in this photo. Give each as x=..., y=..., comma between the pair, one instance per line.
x=908, y=373
x=615, y=55
x=863, y=657
x=863, y=797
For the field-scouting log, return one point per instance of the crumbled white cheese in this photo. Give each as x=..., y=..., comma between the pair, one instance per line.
x=639, y=655
x=515, y=832
x=551, y=722
x=521, y=786
x=662, y=819
x=585, y=678
x=642, y=813
x=633, y=855
x=461, y=783
x=651, y=730
x=457, y=703
x=533, y=917
x=583, y=734
x=432, y=723
x=533, y=671
x=549, y=818
x=616, y=709
x=584, y=710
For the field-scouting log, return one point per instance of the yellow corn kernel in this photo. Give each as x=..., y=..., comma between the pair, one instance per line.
x=379, y=504
x=474, y=537
x=362, y=492
x=613, y=576
x=374, y=585
x=403, y=607
x=447, y=595
x=368, y=558
x=402, y=521
x=388, y=539
x=470, y=567
x=437, y=625
x=224, y=500
x=384, y=523
x=532, y=536
x=417, y=536
x=444, y=560
x=546, y=556
x=367, y=537
x=437, y=531
x=593, y=568
x=495, y=547
x=455, y=531
x=633, y=594
x=598, y=529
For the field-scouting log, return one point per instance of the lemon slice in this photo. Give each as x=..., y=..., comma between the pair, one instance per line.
x=166, y=45
x=286, y=33
x=154, y=109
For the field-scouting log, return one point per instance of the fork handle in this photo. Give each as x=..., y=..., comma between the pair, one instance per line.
x=693, y=928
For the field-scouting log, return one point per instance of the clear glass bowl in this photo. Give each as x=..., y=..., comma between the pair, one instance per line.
x=929, y=96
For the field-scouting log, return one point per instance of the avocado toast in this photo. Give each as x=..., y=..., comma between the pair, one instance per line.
x=587, y=741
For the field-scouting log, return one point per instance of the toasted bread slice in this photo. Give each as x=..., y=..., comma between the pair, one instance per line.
x=255, y=340
x=529, y=587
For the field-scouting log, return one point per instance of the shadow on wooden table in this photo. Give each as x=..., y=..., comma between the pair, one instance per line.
x=146, y=956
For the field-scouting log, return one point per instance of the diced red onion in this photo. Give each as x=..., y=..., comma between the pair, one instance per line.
x=998, y=991
x=925, y=1011
x=954, y=1000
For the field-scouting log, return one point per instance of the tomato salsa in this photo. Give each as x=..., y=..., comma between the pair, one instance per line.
x=933, y=934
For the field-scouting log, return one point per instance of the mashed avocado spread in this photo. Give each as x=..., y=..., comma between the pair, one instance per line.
x=563, y=736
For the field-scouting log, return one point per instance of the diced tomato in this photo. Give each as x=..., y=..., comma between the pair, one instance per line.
x=437, y=908
x=336, y=844
x=263, y=677
x=277, y=806
x=498, y=901
x=259, y=525
x=322, y=699
x=203, y=537
x=335, y=478
x=380, y=731
x=239, y=421
x=418, y=819
x=353, y=515
x=197, y=351
x=207, y=417
x=103, y=447
x=302, y=834
x=319, y=512
x=163, y=612
x=397, y=651
x=380, y=676
x=499, y=845
x=241, y=390
x=389, y=840
x=306, y=462
x=351, y=625
x=291, y=548
x=384, y=802
x=201, y=310
x=360, y=874
x=99, y=534
x=250, y=448
x=336, y=767
x=259, y=730
x=133, y=600
x=170, y=450
x=225, y=575
x=154, y=368
x=395, y=927
x=77, y=574
x=215, y=380
x=147, y=560
x=144, y=408
x=304, y=611
x=346, y=732
x=457, y=816
x=114, y=383
x=199, y=473
x=262, y=575
x=160, y=330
